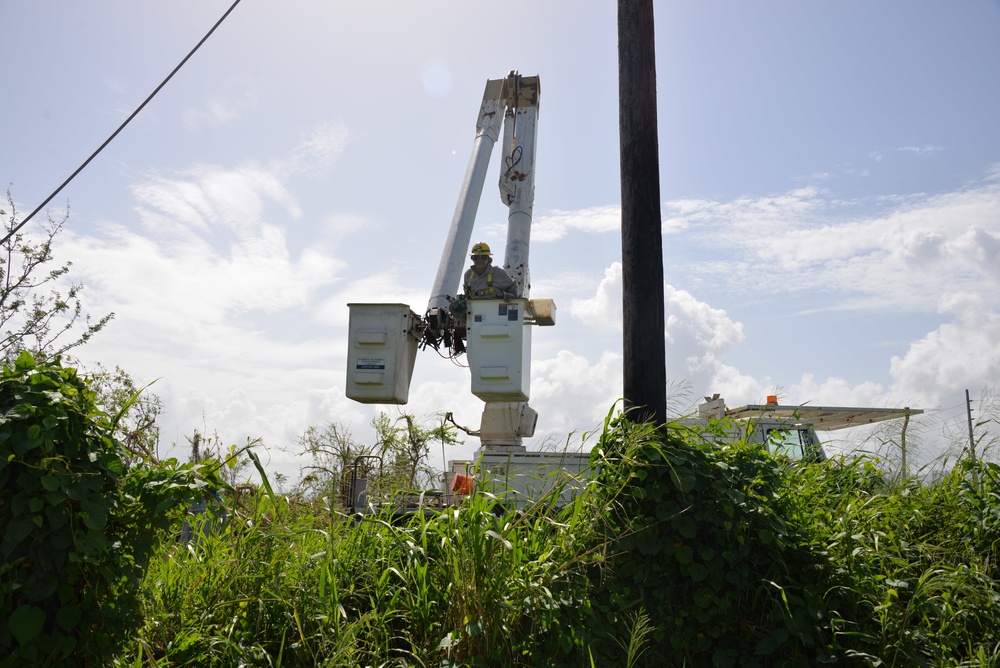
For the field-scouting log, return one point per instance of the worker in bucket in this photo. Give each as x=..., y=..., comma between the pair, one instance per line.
x=484, y=281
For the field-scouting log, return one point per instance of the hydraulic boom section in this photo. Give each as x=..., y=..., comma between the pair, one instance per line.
x=513, y=103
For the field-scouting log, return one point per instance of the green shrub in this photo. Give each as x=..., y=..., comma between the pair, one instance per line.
x=913, y=564
x=78, y=528
x=705, y=553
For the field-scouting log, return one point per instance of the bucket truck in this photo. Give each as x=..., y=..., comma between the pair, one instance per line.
x=494, y=334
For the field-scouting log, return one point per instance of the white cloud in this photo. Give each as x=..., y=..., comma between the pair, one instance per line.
x=222, y=109
x=207, y=197
x=385, y=287
x=958, y=355
x=921, y=254
x=216, y=112
x=696, y=334
x=200, y=296
x=556, y=225
x=688, y=320
x=699, y=339
x=318, y=148
x=835, y=391
x=919, y=150
x=338, y=225
x=983, y=247
x=736, y=388
x=604, y=309
x=900, y=260
x=695, y=321
x=571, y=393
x=216, y=258
x=818, y=176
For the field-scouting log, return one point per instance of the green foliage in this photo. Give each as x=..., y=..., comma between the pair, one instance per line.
x=397, y=461
x=675, y=553
x=210, y=450
x=30, y=319
x=705, y=552
x=406, y=449
x=914, y=565
x=78, y=526
x=134, y=408
x=333, y=452
x=469, y=586
x=739, y=558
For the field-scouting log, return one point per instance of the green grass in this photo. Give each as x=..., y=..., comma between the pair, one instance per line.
x=295, y=585
x=676, y=554
x=916, y=564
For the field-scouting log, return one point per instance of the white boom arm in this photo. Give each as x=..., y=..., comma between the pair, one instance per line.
x=517, y=176
x=514, y=101
x=449, y=274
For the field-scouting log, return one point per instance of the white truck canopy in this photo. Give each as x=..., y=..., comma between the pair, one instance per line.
x=823, y=418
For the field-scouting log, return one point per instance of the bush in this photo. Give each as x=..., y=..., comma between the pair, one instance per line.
x=78, y=528
x=705, y=555
x=914, y=563
x=734, y=557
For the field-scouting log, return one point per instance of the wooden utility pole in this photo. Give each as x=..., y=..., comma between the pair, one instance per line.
x=645, y=374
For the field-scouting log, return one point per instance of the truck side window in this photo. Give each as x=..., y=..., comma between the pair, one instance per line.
x=791, y=443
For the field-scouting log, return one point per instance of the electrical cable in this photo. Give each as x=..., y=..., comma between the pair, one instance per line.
x=120, y=127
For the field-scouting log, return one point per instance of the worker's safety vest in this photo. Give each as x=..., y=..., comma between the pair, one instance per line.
x=490, y=290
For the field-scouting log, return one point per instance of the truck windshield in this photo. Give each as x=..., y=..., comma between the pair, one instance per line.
x=792, y=443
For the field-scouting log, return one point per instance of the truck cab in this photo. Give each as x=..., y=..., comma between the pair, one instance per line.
x=793, y=439
x=786, y=430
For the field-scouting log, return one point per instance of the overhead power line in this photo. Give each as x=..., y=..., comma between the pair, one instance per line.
x=120, y=127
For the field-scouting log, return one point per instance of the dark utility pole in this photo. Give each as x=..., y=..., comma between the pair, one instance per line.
x=904, y=472
x=645, y=374
x=972, y=436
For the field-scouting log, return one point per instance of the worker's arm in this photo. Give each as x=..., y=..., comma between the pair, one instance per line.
x=505, y=286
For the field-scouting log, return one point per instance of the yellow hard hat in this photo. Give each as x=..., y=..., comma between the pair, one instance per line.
x=482, y=248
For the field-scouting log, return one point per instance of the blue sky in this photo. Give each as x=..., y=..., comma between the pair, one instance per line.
x=830, y=176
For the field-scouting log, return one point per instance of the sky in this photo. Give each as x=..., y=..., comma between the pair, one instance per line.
x=829, y=175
